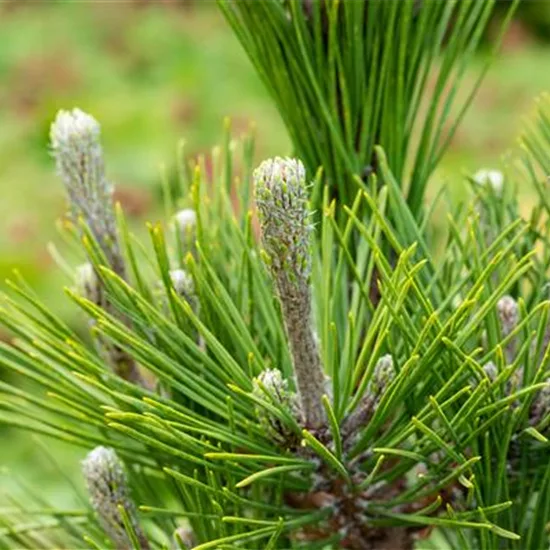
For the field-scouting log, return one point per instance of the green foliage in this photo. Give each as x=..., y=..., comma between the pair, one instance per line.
x=436, y=406
x=347, y=76
x=434, y=452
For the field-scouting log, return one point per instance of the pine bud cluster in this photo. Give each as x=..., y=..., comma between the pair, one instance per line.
x=282, y=202
x=272, y=382
x=76, y=146
x=185, y=225
x=508, y=312
x=382, y=376
x=108, y=490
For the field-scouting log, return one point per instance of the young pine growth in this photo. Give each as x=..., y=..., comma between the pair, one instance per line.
x=185, y=226
x=186, y=220
x=76, y=146
x=218, y=455
x=110, y=498
x=490, y=179
x=383, y=375
x=282, y=200
x=184, y=286
x=185, y=537
x=272, y=383
x=87, y=283
x=508, y=313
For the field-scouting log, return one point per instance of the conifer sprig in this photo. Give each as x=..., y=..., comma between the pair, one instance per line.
x=282, y=199
x=397, y=86
x=222, y=452
x=109, y=492
x=76, y=147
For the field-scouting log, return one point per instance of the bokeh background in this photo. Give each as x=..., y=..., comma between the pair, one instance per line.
x=156, y=72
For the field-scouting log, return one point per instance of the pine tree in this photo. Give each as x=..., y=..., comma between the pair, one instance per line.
x=240, y=386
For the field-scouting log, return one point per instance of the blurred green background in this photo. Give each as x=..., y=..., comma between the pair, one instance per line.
x=153, y=73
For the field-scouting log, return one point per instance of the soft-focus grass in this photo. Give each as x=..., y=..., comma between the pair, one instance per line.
x=152, y=76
